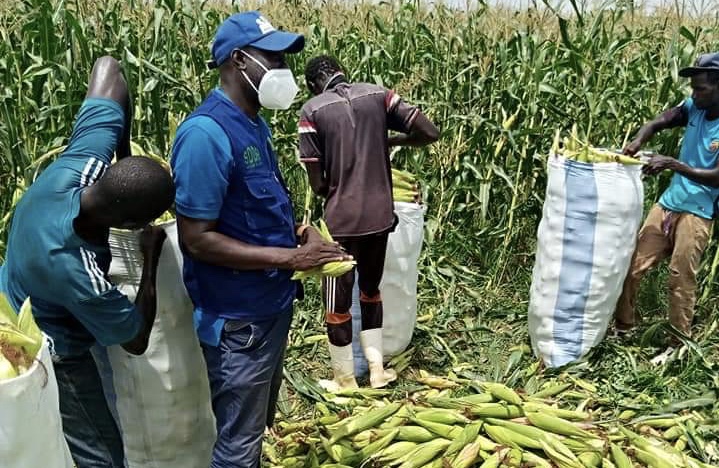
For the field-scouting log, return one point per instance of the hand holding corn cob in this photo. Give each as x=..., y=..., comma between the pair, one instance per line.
x=333, y=268
x=573, y=148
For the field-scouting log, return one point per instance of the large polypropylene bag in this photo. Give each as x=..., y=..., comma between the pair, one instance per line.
x=585, y=243
x=30, y=422
x=161, y=399
x=398, y=286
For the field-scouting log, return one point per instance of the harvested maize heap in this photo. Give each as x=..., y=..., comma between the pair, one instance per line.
x=333, y=269
x=404, y=187
x=572, y=147
x=445, y=426
x=20, y=339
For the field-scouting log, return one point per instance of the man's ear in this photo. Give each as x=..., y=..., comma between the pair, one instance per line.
x=238, y=59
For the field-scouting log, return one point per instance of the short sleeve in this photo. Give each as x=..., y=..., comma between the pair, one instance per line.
x=98, y=127
x=400, y=115
x=110, y=317
x=201, y=166
x=102, y=309
x=310, y=151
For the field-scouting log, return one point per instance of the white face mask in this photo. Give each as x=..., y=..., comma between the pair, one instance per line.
x=277, y=87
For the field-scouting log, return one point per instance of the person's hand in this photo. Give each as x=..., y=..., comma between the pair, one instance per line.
x=633, y=148
x=659, y=163
x=310, y=234
x=151, y=239
x=316, y=253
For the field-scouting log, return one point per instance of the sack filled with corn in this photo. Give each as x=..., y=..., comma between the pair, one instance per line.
x=579, y=267
x=31, y=433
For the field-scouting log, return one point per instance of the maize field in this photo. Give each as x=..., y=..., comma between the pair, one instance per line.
x=500, y=84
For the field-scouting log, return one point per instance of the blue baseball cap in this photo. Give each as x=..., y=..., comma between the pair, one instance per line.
x=704, y=63
x=250, y=28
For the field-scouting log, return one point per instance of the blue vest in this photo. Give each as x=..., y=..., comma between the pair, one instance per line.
x=256, y=210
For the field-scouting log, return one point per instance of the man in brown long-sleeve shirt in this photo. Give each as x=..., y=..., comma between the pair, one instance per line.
x=344, y=144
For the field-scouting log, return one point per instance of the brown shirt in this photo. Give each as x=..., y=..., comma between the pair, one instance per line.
x=344, y=130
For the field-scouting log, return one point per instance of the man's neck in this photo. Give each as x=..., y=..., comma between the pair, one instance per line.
x=85, y=225
x=239, y=97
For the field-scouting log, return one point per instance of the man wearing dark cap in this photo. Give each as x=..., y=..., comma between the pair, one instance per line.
x=238, y=233
x=679, y=225
x=344, y=144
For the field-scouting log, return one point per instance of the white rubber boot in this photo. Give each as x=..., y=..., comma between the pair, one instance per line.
x=343, y=367
x=371, y=341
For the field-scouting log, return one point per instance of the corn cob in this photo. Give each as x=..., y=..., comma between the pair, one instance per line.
x=424, y=453
x=652, y=460
x=560, y=447
x=531, y=459
x=620, y=458
x=294, y=462
x=501, y=392
x=26, y=324
x=557, y=425
x=535, y=407
x=681, y=443
x=551, y=391
x=523, y=429
x=394, y=451
x=590, y=459
x=466, y=457
x=495, y=410
x=365, y=421
x=477, y=398
x=513, y=458
x=505, y=436
x=435, y=382
x=561, y=459
x=398, y=174
x=584, y=445
x=607, y=463
x=466, y=437
x=377, y=445
x=443, y=416
x=492, y=461
x=457, y=403
x=338, y=452
x=7, y=370
x=442, y=430
x=673, y=432
x=417, y=434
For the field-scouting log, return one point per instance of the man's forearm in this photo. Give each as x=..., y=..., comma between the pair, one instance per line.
x=668, y=119
x=708, y=177
x=218, y=249
x=146, y=305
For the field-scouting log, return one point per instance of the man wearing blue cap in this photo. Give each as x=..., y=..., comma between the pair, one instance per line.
x=679, y=225
x=238, y=232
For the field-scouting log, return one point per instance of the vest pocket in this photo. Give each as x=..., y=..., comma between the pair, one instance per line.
x=265, y=207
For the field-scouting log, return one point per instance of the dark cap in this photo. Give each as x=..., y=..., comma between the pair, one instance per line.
x=704, y=63
x=250, y=28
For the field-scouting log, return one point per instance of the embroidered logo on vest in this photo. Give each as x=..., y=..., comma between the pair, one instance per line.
x=252, y=157
x=714, y=146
